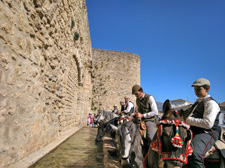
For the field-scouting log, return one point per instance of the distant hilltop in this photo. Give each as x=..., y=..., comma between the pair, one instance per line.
x=177, y=103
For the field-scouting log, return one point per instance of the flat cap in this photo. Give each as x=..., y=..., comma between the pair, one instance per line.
x=135, y=88
x=126, y=97
x=201, y=82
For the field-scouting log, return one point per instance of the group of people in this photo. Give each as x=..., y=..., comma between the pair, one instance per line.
x=127, y=107
x=203, y=119
x=90, y=120
x=146, y=108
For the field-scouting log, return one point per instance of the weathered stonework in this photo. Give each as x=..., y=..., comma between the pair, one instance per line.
x=45, y=85
x=114, y=74
x=47, y=69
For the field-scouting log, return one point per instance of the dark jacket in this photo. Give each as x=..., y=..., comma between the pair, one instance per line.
x=143, y=106
x=198, y=113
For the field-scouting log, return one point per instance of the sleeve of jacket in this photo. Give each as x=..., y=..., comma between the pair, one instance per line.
x=211, y=109
x=154, y=108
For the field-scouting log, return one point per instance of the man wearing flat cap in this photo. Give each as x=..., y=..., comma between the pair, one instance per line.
x=122, y=105
x=146, y=110
x=204, y=121
x=129, y=106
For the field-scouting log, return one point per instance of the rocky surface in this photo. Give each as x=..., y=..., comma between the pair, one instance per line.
x=110, y=160
x=114, y=74
x=47, y=73
x=45, y=85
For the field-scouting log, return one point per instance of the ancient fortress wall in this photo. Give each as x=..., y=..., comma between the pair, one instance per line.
x=45, y=75
x=114, y=74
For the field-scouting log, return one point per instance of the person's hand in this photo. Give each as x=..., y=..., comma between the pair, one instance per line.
x=133, y=114
x=139, y=115
x=187, y=119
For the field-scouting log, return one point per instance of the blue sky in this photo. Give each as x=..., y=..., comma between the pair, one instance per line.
x=178, y=41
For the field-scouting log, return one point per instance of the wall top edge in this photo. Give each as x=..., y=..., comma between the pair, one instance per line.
x=95, y=50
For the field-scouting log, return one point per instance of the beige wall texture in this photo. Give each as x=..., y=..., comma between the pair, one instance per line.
x=114, y=74
x=47, y=70
x=45, y=75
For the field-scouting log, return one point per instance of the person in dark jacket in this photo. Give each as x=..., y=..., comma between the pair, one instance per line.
x=115, y=109
x=122, y=105
x=146, y=109
x=129, y=106
x=204, y=121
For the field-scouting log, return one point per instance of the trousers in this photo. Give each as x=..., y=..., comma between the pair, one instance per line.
x=150, y=125
x=201, y=143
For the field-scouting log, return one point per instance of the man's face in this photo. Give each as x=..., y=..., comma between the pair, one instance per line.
x=201, y=91
x=138, y=94
x=126, y=100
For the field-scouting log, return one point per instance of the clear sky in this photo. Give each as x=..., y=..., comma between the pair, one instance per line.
x=178, y=41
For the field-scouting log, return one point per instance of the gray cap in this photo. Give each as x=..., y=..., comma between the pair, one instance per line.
x=201, y=82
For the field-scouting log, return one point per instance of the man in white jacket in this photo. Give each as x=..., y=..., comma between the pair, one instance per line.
x=129, y=106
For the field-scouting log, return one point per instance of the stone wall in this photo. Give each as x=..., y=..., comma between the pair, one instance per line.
x=114, y=74
x=45, y=75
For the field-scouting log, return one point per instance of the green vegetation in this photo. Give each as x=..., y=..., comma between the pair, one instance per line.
x=93, y=105
x=82, y=40
x=87, y=65
x=96, y=67
x=76, y=36
x=72, y=23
